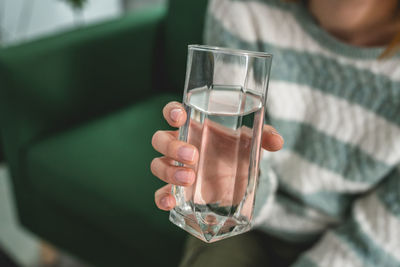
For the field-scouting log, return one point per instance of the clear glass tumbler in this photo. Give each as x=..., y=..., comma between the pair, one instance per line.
x=224, y=97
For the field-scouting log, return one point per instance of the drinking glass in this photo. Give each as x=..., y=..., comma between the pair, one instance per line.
x=224, y=97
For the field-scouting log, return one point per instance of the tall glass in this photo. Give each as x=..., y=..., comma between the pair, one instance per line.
x=224, y=97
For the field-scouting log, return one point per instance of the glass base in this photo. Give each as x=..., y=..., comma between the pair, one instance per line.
x=208, y=227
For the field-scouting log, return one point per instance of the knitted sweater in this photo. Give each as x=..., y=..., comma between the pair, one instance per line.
x=337, y=179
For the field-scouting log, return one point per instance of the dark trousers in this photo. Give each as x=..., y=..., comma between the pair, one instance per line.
x=5, y=260
x=253, y=248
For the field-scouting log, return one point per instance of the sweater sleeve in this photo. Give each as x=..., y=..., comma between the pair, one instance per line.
x=369, y=237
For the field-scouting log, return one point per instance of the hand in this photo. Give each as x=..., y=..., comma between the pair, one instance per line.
x=222, y=139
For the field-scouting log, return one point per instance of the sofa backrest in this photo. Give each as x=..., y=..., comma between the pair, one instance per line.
x=58, y=82
x=184, y=26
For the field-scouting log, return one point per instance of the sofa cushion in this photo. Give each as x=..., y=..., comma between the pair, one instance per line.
x=100, y=172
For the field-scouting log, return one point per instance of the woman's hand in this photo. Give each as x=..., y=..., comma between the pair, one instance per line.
x=167, y=143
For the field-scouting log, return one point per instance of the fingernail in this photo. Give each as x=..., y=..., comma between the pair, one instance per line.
x=165, y=203
x=183, y=177
x=273, y=132
x=186, y=153
x=175, y=114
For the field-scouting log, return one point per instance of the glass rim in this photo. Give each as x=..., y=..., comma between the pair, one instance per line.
x=231, y=51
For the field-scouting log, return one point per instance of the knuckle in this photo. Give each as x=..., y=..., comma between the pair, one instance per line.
x=155, y=138
x=153, y=165
x=156, y=199
x=157, y=194
x=172, y=147
x=169, y=173
x=165, y=110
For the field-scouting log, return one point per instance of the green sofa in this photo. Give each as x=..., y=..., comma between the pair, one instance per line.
x=77, y=113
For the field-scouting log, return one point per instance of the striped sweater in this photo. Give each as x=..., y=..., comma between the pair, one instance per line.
x=337, y=180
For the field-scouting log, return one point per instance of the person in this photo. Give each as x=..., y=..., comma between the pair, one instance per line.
x=335, y=99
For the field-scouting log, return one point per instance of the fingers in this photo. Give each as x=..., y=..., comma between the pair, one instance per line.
x=271, y=139
x=166, y=143
x=175, y=114
x=171, y=174
x=164, y=199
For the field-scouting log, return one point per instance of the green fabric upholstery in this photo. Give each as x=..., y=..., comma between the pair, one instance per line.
x=61, y=81
x=71, y=109
x=45, y=89
x=99, y=163
x=191, y=23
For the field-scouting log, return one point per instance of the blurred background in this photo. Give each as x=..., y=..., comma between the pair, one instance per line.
x=22, y=21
